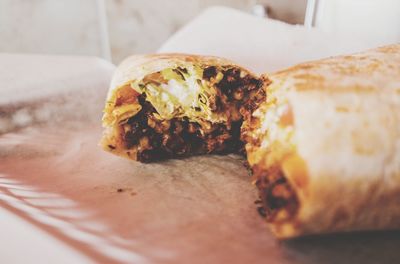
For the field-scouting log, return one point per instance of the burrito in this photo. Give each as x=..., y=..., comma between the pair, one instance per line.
x=175, y=105
x=324, y=147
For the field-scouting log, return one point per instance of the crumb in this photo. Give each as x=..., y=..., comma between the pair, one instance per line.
x=261, y=211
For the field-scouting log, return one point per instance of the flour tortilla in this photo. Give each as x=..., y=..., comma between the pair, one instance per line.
x=124, y=87
x=333, y=129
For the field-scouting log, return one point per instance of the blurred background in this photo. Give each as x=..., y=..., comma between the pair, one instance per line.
x=114, y=29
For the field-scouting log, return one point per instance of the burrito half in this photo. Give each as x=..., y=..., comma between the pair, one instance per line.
x=174, y=105
x=325, y=146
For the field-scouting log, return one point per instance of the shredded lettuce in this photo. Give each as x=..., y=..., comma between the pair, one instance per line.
x=183, y=94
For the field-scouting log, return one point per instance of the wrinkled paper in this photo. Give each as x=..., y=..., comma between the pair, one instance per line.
x=113, y=210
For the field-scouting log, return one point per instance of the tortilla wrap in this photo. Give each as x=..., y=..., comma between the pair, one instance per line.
x=325, y=145
x=175, y=105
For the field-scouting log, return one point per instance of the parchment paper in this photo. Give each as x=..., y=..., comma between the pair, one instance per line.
x=196, y=210
x=260, y=44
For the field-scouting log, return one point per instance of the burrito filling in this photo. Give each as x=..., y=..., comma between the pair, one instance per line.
x=278, y=199
x=268, y=134
x=183, y=111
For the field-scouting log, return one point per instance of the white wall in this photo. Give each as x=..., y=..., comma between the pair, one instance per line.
x=123, y=27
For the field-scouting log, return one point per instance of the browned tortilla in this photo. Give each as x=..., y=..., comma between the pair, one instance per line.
x=176, y=105
x=325, y=146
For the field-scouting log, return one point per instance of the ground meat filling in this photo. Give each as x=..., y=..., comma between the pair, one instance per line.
x=239, y=87
x=278, y=200
x=154, y=139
